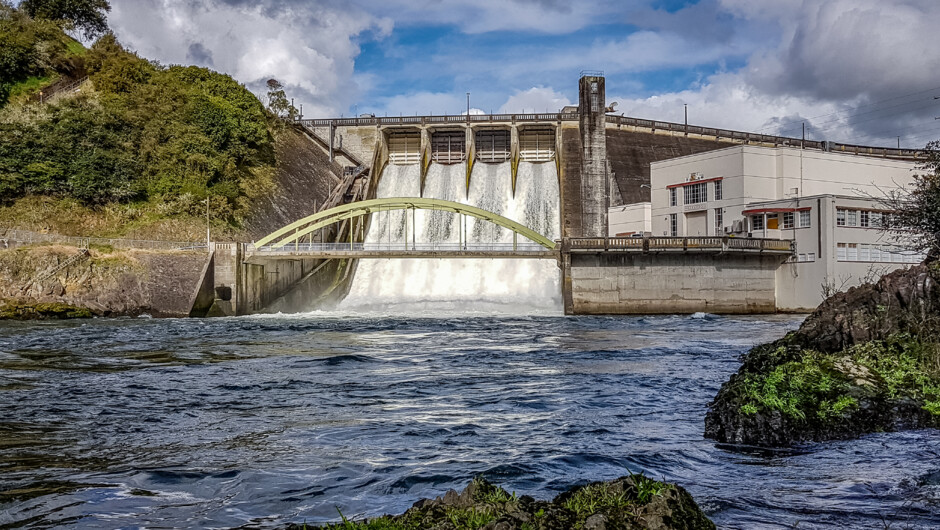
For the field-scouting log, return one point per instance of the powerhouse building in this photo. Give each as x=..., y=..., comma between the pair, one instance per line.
x=828, y=203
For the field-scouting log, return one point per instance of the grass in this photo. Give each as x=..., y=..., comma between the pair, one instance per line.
x=138, y=220
x=30, y=86
x=817, y=386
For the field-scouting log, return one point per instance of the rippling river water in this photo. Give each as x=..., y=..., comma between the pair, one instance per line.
x=260, y=421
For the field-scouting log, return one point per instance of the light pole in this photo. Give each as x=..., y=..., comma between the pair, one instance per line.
x=207, y=222
x=468, y=107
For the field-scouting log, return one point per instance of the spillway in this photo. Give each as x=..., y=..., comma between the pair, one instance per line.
x=465, y=285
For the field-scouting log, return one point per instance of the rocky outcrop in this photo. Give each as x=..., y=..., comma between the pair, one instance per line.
x=905, y=300
x=866, y=360
x=107, y=283
x=633, y=502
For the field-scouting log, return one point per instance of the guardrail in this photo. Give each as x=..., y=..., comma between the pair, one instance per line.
x=673, y=244
x=621, y=121
x=400, y=246
x=29, y=237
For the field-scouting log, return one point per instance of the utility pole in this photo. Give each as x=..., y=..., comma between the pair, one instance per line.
x=468, y=107
x=207, y=222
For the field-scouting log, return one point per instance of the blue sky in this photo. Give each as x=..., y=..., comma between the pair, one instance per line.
x=861, y=71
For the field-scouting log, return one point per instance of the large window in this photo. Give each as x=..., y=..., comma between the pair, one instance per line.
x=864, y=218
x=840, y=217
x=876, y=253
x=788, y=219
x=757, y=223
x=719, y=221
x=673, y=197
x=717, y=190
x=852, y=218
x=805, y=221
x=673, y=225
x=696, y=193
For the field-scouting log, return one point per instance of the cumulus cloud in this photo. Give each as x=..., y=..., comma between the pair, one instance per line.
x=308, y=46
x=535, y=99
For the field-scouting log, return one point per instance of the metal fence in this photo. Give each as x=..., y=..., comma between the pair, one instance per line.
x=400, y=246
x=657, y=244
x=26, y=237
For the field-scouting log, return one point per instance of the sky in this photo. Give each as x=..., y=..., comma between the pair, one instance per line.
x=855, y=71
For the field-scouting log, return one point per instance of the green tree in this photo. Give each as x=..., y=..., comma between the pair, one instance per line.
x=916, y=209
x=278, y=103
x=89, y=16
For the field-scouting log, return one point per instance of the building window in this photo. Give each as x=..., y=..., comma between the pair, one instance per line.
x=811, y=256
x=804, y=219
x=757, y=223
x=695, y=193
x=840, y=217
x=875, y=219
x=673, y=197
x=788, y=219
x=863, y=218
x=853, y=252
x=840, y=252
x=852, y=218
x=674, y=224
x=717, y=190
x=719, y=221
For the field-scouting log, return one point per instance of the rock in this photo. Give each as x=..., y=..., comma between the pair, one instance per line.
x=596, y=522
x=846, y=372
x=633, y=502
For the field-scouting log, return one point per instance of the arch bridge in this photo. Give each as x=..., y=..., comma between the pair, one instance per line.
x=296, y=240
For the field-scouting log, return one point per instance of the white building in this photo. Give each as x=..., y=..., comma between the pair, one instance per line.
x=826, y=202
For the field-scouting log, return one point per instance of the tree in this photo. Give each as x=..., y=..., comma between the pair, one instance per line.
x=916, y=209
x=90, y=16
x=277, y=100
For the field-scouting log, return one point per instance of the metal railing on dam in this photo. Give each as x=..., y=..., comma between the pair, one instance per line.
x=718, y=134
x=676, y=244
x=297, y=250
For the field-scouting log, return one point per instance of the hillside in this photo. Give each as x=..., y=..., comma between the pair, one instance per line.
x=138, y=150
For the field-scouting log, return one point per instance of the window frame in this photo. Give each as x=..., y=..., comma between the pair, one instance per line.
x=792, y=221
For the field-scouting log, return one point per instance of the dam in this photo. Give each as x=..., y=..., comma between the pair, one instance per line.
x=555, y=174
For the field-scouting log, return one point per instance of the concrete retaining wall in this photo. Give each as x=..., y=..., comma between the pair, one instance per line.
x=671, y=283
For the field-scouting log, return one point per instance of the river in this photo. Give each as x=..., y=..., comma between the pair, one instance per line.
x=264, y=420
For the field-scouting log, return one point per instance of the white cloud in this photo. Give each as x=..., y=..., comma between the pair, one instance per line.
x=310, y=47
x=535, y=99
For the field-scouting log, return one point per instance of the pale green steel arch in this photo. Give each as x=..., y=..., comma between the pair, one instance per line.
x=314, y=222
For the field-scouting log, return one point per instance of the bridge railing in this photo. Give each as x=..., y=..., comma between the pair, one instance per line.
x=665, y=244
x=399, y=246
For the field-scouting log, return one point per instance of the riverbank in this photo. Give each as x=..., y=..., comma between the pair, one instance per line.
x=56, y=281
x=633, y=501
x=867, y=360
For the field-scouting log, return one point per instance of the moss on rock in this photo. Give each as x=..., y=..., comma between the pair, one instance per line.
x=633, y=502
x=53, y=310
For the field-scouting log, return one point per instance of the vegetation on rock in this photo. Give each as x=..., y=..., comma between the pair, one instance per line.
x=632, y=502
x=40, y=311
x=867, y=360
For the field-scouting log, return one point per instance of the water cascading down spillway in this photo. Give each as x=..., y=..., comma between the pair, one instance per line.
x=474, y=285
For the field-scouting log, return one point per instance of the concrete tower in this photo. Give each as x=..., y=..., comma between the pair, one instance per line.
x=594, y=193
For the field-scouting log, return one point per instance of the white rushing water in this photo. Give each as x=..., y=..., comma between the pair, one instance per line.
x=464, y=285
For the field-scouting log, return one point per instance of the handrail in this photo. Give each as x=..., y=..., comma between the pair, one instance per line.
x=620, y=121
x=672, y=243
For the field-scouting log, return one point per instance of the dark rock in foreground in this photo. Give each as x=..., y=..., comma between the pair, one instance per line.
x=633, y=502
x=867, y=360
